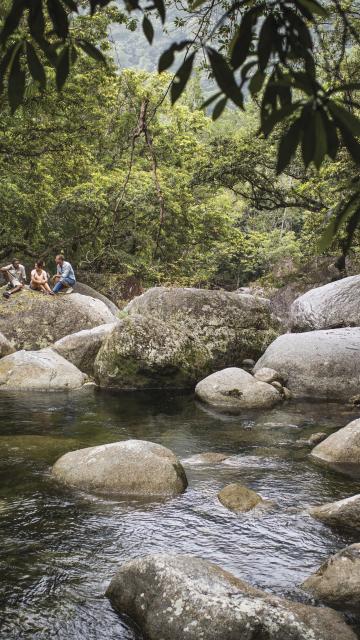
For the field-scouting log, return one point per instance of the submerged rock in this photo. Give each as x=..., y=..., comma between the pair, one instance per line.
x=316, y=438
x=234, y=389
x=30, y=320
x=337, y=581
x=43, y=370
x=333, y=305
x=317, y=364
x=5, y=347
x=230, y=326
x=129, y=468
x=180, y=597
x=81, y=348
x=343, y=513
x=341, y=450
x=238, y=498
x=209, y=457
x=143, y=352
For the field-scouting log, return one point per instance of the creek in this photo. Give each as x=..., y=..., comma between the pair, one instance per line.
x=59, y=548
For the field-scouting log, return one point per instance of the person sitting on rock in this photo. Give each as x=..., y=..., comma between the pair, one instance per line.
x=65, y=276
x=15, y=275
x=39, y=279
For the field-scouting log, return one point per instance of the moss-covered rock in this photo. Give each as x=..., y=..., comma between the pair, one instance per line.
x=231, y=326
x=30, y=320
x=142, y=352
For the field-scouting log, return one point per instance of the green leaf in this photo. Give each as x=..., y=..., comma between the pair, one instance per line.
x=160, y=6
x=242, y=40
x=71, y=5
x=59, y=18
x=256, y=82
x=308, y=137
x=91, y=50
x=36, y=22
x=148, y=29
x=224, y=77
x=269, y=121
x=168, y=56
x=210, y=100
x=265, y=43
x=181, y=78
x=350, y=142
x=62, y=67
x=219, y=108
x=16, y=82
x=5, y=62
x=288, y=145
x=12, y=20
x=35, y=66
x=320, y=140
x=351, y=122
x=338, y=220
x=331, y=136
x=313, y=7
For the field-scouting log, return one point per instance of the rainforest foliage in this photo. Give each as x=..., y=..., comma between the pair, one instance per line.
x=110, y=172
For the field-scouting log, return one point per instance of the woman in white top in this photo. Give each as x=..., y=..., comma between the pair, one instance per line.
x=39, y=278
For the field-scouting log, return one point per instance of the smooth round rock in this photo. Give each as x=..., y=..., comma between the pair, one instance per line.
x=43, y=370
x=181, y=597
x=265, y=374
x=239, y=498
x=341, y=450
x=234, y=389
x=337, y=581
x=81, y=348
x=341, y=514
x=129, y=468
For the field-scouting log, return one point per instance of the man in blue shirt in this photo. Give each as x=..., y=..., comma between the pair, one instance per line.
x=65, y=276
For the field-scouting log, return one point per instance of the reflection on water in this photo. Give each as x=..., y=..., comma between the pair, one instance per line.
x=60, y=548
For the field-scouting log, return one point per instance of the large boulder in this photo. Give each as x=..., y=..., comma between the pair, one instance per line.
x=43, y=370
x=81, y=348
x=144, y=352
x=234, y=389
x=337, y=581
x=231, y=326
x=181, y=597
x=341, y=514
x=30, y=320
x=86, y=290
x=5, y=346
x=129, y=468
x=334, y=305
x=341, y=450
x=317, y=364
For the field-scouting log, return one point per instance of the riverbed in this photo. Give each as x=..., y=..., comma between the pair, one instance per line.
x=59, y=548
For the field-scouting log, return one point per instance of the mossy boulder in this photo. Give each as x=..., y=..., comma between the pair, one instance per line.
x=146, y=353
x=231, y=326
x=5, y=346
x=81, y=348
x=31, y=320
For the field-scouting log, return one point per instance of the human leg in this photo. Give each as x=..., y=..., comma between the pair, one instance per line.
x=58, y=287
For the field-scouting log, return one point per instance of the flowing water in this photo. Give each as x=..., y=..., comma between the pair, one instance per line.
x=59, y=548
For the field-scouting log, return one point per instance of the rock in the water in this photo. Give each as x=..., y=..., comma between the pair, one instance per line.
x=232, y=327
x=30, y=320
x=341, y=514
x=317, y=364
x=208, y=457
x=43, y=370
x=334, y=305
x=5, y=347
x=337, y=581
x=86, y=290
x=181, y=597
x=238, y=498
x=129, y=468
x=267, y=375
x=144, y=352
x=81, y=348
x=316, y=438
x=234, y=389
x=341, y=450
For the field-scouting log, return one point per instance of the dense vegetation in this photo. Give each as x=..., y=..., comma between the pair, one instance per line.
x=111, y=173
